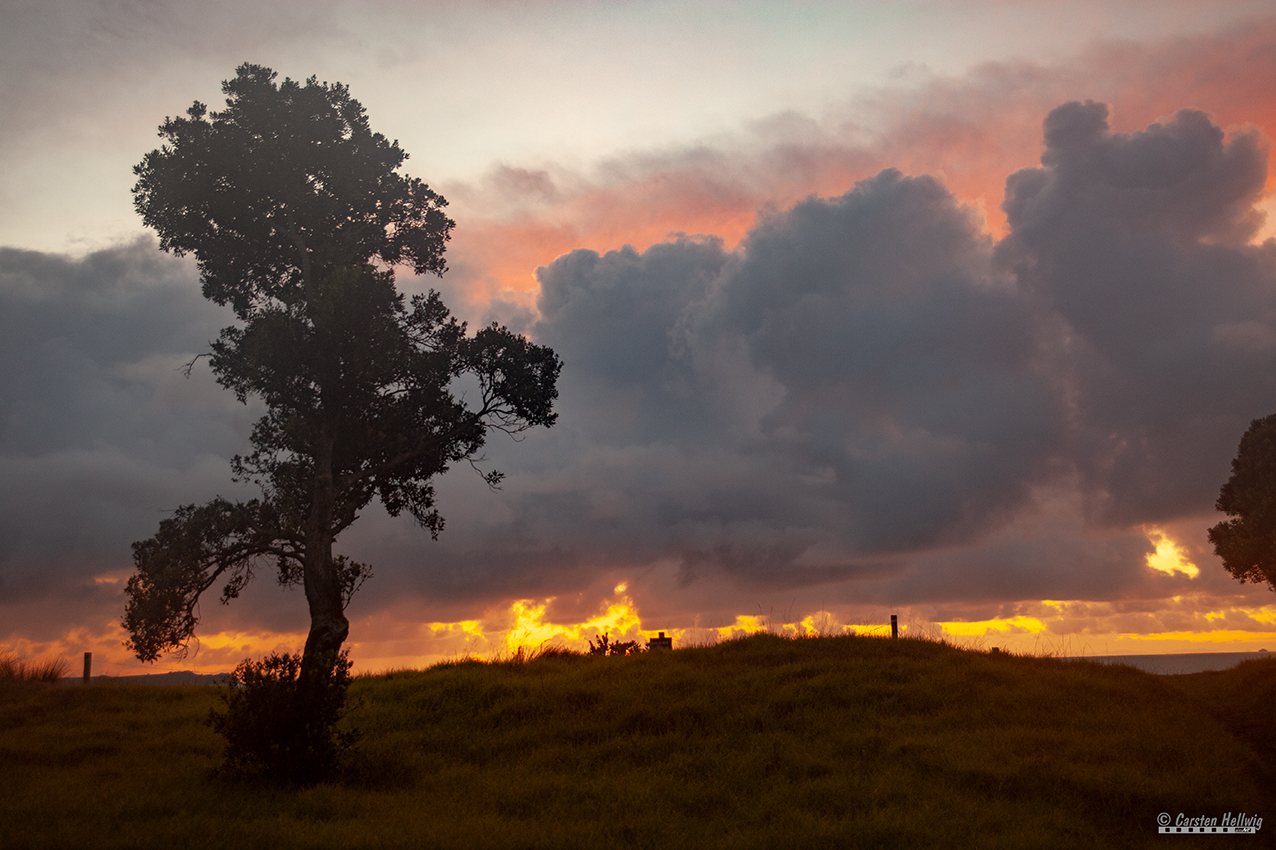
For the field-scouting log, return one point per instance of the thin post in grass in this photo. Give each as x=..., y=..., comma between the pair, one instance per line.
x=88, y=666
x=894, y=625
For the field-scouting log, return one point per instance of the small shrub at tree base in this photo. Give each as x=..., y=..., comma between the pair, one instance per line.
x=278, y=725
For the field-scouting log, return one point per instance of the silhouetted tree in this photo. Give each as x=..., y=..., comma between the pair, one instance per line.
x=1247, y=544
x=295, y=212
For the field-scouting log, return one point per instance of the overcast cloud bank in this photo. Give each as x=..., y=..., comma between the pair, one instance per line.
x=868, y=396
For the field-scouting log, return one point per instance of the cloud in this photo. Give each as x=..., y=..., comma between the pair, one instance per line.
x=844, y=390
x=867, y=395
x=99, y=431
x=1135, y=246
x=968, y=130
x=866, y=401
x=907, y=369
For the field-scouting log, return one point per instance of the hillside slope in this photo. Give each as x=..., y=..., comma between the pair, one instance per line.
x=761, y=742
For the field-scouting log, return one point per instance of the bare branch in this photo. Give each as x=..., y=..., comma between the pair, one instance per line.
x=186, y=370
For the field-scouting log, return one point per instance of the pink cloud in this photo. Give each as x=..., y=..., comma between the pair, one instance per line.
x=972, y=131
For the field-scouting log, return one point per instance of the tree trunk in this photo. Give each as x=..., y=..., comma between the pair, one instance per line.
x=328, y=624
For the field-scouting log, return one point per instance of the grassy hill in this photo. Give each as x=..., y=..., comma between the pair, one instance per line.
x=762, y=742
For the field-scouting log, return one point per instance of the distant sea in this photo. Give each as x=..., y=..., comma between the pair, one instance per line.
x=1188, y=662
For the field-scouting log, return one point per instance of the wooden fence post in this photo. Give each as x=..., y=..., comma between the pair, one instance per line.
x=88, y=666
x=894, y=626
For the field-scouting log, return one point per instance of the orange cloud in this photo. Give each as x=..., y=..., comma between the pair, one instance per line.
x=972, y=131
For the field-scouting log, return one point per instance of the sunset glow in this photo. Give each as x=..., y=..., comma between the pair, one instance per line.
x=983, y=628
x=620, y=621
x=1059, y=628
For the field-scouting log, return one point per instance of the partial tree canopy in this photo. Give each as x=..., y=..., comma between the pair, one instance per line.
x=1247, y=543
x=296, y=212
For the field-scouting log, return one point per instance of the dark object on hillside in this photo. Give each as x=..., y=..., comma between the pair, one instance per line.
x=287, y=199
x=661, y=642
x=1247, y=543
x=606, y=646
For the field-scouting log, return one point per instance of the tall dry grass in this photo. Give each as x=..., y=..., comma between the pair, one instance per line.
x=15, y=669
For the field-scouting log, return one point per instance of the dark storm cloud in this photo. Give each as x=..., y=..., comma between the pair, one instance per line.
x=909, y=372
x=1135, y=244
x=868, y=391
x=620, y=321
x=99, y=430
x=855, y=382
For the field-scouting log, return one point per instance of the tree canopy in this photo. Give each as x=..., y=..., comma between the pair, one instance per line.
x=280, y=188
x=296, y=214
x=1247, y=543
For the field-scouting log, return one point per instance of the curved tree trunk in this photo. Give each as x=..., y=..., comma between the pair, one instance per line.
x=328, y=624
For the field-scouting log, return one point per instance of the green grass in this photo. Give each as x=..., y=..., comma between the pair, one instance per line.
x=764, y=742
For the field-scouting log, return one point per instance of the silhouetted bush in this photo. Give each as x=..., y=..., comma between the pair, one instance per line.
x=278, y=726
x=606, y=646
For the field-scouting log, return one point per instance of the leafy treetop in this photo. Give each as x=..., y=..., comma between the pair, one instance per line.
x=283, y=185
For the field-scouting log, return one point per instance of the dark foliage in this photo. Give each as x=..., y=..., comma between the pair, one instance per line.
x=286, y=184
x=280, y=726
x=1247, y=543
x=193, y=550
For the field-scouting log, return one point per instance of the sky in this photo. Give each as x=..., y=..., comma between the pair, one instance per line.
x=955, y=311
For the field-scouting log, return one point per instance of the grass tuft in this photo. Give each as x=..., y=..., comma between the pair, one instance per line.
x=14, y=669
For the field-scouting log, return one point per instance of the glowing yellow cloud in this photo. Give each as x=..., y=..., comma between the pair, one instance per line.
x=1200, y=637
x=465, y=627
x=978, y=628
x=1266, y=614
x=527, y=627
x=821, y=623
x=1169, y=557
x=620, y=620
x=744, y=624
